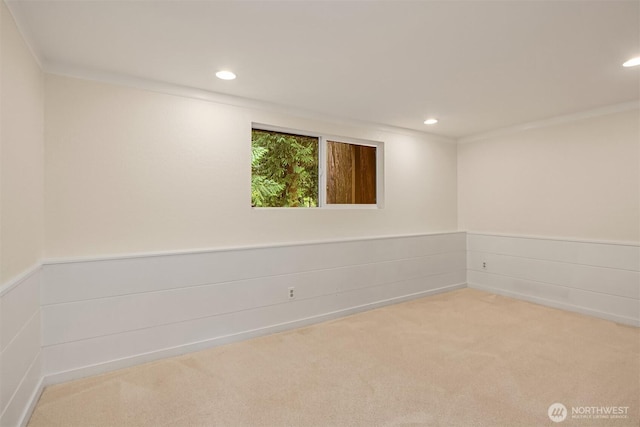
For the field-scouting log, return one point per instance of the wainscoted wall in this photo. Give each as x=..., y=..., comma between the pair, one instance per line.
x=100, y=315
x=20, y=355
x=599, y=279
x=104, y=314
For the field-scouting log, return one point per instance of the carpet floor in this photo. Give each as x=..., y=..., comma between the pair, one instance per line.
x=462, y=358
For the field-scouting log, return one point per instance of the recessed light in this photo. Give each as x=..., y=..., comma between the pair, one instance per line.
x=225, y=75
x=633, y=62
x=431, y=121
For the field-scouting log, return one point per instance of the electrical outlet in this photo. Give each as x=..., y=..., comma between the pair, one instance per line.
x=484, y=265
x=292, y=292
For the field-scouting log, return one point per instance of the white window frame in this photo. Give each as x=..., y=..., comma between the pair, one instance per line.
x=322, y=166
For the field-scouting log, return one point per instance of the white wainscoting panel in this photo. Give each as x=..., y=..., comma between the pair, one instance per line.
x=599, y=279
x=100, y=315
x=69, y=319
x=20, y=348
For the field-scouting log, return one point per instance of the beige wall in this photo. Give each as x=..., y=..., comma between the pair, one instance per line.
x=573, y=180
x=21, y=160
x=131, y=171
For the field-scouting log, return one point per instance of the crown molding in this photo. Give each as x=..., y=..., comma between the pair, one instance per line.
x=236, y=101
x=219, y=98
x=26, y=35
x=602, y=111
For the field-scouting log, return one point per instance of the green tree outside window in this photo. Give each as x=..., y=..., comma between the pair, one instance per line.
x=284, y=169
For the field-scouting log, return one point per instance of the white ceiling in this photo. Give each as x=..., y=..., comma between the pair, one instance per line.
x=475, y=65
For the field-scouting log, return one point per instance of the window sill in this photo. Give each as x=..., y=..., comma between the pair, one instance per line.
x=319, y=208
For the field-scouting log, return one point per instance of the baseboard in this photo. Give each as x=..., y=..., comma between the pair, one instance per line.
x=26, y=397
x=559, y=305
x=112, y=365
x=20, y=347
x=33, y=401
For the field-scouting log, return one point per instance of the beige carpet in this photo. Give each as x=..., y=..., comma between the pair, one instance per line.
x=464, y=358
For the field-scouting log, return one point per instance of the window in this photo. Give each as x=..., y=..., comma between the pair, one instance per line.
x=291, y=169
x=284, y=169
x=351, y=174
